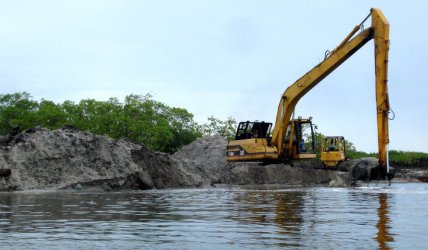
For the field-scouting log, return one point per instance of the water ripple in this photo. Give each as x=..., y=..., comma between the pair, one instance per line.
x=231, y=217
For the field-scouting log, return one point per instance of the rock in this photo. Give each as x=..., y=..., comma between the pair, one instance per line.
x=337, y=182
x=364, y=169
x=5, y=140
x=4, y=172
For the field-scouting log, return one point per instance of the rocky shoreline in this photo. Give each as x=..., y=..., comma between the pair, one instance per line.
x=68, y=158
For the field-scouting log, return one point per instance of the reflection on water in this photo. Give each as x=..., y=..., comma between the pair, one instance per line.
x=231, y=217
x=277, y=216
x=383, y=234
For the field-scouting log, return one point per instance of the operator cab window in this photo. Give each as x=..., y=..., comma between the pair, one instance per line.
x=248, y=130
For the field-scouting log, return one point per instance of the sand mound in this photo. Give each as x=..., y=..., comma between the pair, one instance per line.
x=64, y=158
x=69, y=158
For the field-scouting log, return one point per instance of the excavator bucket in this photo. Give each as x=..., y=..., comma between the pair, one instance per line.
x=368, y=169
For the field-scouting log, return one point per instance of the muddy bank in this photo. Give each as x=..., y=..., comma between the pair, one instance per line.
x=71, y=159
x=416, y=170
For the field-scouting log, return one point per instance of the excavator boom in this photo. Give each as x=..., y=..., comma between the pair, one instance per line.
x=381, y=41
x=278, y=146
x=298, y=89
x=379, y=31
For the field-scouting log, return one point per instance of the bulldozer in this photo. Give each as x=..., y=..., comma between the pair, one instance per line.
x=333, y=151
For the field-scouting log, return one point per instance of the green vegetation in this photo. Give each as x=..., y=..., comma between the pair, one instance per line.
x=406, y=156
x=139, y=118
x=214, y=126
x=394, y=155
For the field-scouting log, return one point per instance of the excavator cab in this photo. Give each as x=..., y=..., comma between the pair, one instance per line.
x=302, y=142
x=333, y=151
x=253, y=142
x=248, y=130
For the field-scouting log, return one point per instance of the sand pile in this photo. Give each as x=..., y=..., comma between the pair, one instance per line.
x=69, y=158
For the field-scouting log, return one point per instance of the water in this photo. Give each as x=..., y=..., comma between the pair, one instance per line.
x=373, y=217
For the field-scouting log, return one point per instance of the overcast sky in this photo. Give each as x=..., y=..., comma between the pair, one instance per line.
x=221, y=58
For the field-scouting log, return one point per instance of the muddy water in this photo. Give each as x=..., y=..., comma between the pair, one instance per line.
x=218, y=218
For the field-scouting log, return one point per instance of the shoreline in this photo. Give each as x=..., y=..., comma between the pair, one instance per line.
x=67, y=158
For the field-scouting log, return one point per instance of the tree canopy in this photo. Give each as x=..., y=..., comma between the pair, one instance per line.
x=139, y=118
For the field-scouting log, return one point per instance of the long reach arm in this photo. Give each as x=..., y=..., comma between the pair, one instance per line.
x=379, y=31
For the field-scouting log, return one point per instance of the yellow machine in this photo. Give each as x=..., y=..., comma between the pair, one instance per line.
x=333, y=151
x=253, y=141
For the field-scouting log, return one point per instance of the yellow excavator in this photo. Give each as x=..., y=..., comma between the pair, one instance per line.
x=254, y=141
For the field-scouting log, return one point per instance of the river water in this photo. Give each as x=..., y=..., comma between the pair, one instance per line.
x=368, y=217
